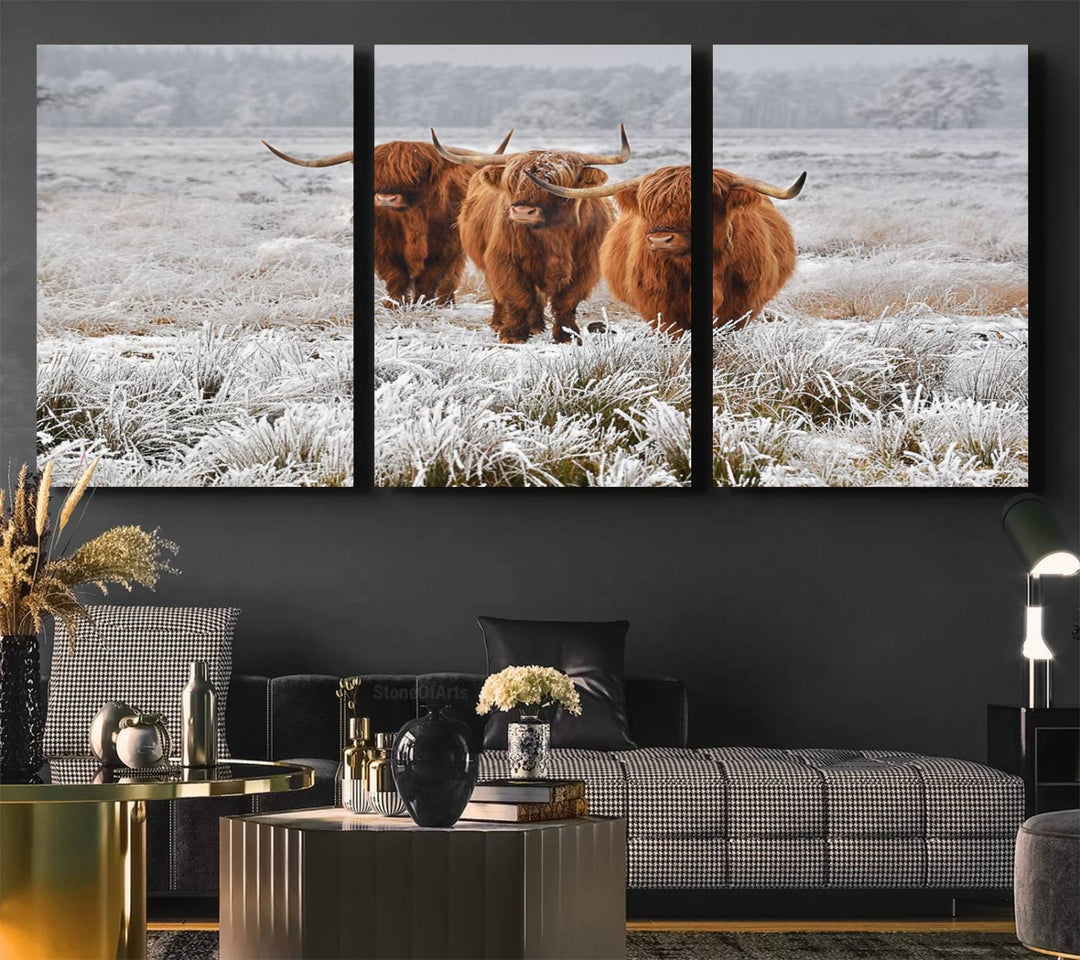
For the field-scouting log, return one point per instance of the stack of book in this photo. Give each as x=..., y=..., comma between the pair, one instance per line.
x=527, y=801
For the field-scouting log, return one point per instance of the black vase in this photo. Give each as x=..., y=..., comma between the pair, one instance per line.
x=434, y=768
x=22, y=708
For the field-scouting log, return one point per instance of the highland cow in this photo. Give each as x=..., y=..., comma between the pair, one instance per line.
x=536, y=250
x=417, y=195
x=645, y=258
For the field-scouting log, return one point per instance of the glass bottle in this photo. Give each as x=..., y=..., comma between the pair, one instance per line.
x=354, y=762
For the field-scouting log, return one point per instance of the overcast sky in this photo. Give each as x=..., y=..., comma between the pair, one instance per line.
x=536, y=55
x=740, y=59
x=336, y=51
x=746, y=59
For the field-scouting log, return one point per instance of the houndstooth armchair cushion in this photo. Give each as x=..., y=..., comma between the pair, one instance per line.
x=139, y=655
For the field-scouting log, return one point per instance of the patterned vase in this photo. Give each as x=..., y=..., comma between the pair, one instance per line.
x=527, y=744
x=22, y=708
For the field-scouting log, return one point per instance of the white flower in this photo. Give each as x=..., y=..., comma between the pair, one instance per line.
x=529, y=686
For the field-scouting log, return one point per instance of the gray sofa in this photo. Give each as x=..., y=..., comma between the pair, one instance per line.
x=717, y=823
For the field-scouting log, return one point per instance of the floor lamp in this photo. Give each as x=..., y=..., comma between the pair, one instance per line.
x=1045, y=552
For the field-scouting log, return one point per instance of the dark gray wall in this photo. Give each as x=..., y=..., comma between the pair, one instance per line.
x=796, y=617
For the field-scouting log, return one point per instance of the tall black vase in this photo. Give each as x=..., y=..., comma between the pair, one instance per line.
x=434, y=768
x=22, y=708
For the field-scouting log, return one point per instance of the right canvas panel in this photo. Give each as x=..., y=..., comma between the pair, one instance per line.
x=870, y=278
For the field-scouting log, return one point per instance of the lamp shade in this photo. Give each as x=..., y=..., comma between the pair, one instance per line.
x=1039, y=541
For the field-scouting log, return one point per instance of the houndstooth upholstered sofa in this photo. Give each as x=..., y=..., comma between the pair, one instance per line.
x=714, y=822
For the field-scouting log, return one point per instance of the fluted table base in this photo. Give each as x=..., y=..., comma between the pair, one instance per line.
x=327, y=883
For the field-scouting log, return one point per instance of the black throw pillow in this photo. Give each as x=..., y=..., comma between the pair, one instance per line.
x=593, y=655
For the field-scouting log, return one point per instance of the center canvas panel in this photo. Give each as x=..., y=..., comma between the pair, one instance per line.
x=532, y=261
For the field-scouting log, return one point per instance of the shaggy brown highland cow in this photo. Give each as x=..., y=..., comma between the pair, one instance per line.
x=418, y=194
x=753, y=248
x=535, y=250
x=645, y=257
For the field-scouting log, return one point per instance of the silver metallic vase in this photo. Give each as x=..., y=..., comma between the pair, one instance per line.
x=198, y=712
x=105, y=729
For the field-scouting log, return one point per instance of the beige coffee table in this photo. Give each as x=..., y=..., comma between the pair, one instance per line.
x=326, y=883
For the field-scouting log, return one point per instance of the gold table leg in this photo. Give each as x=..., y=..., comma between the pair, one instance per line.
x=73, y=881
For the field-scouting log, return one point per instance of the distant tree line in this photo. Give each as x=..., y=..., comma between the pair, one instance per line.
x=939, y=95
x=452, y=95
x=943, y=93
x=248, y=88
x=120, y=86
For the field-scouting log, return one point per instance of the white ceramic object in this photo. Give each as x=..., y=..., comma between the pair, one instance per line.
x=527, y=749
x=104, y=729
x=143, y=740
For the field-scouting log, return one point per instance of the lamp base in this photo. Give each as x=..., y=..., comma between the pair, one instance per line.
x=1038, y=683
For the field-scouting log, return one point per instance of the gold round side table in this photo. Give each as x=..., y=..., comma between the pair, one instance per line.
x=73, y=849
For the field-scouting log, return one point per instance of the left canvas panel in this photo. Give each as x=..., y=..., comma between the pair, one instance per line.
x=195, y=304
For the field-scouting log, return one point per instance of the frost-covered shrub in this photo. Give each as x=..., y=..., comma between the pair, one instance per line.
x=809, y=403
x=455, y=407
x=746, y=449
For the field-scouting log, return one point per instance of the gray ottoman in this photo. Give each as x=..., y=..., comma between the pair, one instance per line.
x=1048, y=883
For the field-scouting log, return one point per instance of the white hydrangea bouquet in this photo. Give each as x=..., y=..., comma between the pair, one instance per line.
x=528, y=690
x=525, y=691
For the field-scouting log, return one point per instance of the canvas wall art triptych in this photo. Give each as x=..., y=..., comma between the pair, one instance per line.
x=532, y=259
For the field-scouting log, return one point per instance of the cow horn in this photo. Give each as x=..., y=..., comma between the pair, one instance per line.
x=769, y=190
x=501, y=148
x=584, y=193
x=609, y=158
x=320, y=162
x=471, y=159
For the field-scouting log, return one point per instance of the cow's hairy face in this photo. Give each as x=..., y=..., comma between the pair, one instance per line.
x=408, y=174
x=530, y=206
x=662, y=203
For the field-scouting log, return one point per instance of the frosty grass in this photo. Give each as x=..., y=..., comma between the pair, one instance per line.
x=898, y=353
x=195, y=313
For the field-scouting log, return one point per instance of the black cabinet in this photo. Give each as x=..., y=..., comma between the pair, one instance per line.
x=1042, y=745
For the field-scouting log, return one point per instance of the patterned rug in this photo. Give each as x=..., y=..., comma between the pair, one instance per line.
x=823, y=946
x=198, y=945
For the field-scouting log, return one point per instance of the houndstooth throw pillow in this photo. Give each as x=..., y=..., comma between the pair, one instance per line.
x=139, y=655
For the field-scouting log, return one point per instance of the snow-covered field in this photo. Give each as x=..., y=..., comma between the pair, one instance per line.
x=454, y=407
x=195, y=311
x=898, y=353
x=195, y=326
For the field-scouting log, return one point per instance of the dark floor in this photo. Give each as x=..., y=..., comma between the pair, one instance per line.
x=715, y=945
